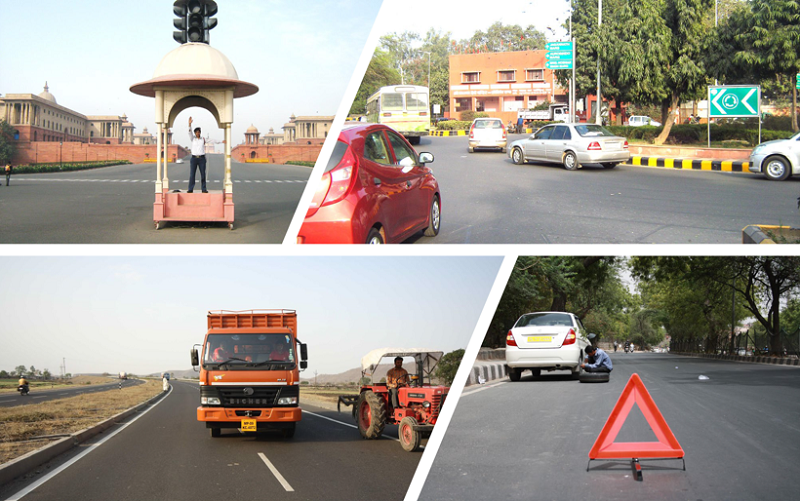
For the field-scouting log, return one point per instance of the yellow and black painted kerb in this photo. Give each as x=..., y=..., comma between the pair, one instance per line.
x=691, y=164
x=448, y=133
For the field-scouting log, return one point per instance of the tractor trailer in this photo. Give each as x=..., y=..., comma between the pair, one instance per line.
x=249, y=365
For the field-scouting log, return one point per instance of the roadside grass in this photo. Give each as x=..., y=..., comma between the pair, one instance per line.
x=10, y=385
x=25, y=428
x=327, y=394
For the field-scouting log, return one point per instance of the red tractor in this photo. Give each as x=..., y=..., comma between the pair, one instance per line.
x=420, y=401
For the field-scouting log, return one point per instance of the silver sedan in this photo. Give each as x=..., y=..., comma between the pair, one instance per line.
x=777, y=159
x=571, y=145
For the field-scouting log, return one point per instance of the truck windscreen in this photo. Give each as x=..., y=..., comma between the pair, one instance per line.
x=249, y=351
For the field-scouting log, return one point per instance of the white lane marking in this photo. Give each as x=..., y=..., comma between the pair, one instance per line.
x=346, y=424
x=24, y=492
x=275, y=472
x=484, y=387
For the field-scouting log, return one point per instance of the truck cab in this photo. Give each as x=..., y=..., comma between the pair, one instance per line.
x=249, y=367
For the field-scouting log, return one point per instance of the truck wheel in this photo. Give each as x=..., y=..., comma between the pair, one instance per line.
x=514, y=374
x=371, y=415
x=409, y=437
x=289, y=432
x=609, y=165
x=216, y=432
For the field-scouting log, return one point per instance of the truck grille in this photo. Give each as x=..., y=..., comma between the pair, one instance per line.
x=436, y=404
x=261, y=396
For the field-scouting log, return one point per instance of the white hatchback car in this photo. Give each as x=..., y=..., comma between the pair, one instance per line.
x=546, y=340
x=487, y=133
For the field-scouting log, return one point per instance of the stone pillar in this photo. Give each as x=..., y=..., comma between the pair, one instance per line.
x=159, y=185
x=165, y=144
x=228, y=181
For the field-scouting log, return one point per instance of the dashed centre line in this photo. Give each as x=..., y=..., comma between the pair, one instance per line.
x=275, y=472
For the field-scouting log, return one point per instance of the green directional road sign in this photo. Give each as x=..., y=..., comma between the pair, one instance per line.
x=559, y=65
x=798, y=80
x=734, y=101
x=564, y=55
x=559, y=46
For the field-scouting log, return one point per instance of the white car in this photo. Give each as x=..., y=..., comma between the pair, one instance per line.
x=546, y=340
x=777, y=160
x=639, y=120
x=487, y=133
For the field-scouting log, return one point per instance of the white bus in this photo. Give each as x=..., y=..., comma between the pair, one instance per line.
x=404, y=108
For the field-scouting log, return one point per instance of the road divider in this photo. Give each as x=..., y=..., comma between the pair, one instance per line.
x=448, y=133
x=30, y=461
x=690, y=164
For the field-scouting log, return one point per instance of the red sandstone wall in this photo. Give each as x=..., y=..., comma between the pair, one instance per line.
x=277, y=154
x=50, y=152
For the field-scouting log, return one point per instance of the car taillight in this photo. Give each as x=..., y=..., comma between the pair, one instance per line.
x=472, y=131
x=594, y=146
x=504, y=131
x=510, y=341
x=334, y=184
x=570, y=339
x=625, y=145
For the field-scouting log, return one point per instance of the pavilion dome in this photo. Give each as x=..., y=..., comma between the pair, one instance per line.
x=196, y=59
x=252, y=129
x=46, y=94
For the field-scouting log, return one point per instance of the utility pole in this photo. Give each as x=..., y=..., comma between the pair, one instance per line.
x=599, y=120
x=315, y=378
x=572, y=101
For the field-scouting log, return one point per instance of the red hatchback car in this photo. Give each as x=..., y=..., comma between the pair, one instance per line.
x=375, y=190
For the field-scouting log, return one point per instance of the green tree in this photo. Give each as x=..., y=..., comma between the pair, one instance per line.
x=401, y=48
x=448, y=366
x=364, y=381
x=4, y=374
x=505, y=38
x=46, y=374
x=8, y=146
x=379, y=74
x=20, y=370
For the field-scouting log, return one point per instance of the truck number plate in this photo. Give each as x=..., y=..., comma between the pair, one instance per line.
x=248, y=425
x=540, y=339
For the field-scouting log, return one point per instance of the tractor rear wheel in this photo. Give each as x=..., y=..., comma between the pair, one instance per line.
x=409, y=437
x=370, y=414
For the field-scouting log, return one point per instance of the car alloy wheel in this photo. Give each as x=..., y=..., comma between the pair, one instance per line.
x=516, y=156
x=776, y=168
x=570, y=161
x=435, y=217
x=375, y=237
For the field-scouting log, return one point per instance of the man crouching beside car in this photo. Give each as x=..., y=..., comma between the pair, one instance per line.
x=597, y=360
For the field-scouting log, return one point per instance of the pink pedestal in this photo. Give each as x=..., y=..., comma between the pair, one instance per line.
x=215, y=205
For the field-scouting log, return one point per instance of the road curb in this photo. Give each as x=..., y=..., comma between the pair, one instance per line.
x=32, y=460
x=738, y=166
x=488, y=371
x=448, y=133
x=737, y=358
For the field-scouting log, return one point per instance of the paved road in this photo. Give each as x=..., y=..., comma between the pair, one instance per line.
x=37, y=396
x=115, y=205
x=530, y=440
x=168, y=455
x=488, y=199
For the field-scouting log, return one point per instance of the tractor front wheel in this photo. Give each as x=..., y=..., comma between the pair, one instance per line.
x=370, y=415
x=409, y=437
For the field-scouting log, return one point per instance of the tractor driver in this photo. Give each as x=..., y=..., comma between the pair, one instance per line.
x=396, y=377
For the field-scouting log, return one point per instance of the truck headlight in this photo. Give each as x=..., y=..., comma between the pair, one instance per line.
x=209, y=401
x=287, y=401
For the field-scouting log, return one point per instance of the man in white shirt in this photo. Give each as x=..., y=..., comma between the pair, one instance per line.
x=198, y=158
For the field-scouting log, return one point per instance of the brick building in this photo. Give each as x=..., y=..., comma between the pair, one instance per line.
x=501, y=83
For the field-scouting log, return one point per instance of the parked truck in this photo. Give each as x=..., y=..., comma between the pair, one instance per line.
x=558, y=112
x=249, y=365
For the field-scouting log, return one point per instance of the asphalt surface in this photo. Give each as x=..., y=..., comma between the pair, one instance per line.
x=37, y=395
x=166, y=454
x=488, y=199
x=115, y=205
x=530, y=439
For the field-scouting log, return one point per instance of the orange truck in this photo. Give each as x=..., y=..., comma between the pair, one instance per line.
x=249, y=367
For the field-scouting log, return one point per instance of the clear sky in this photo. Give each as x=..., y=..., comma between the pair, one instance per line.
x=300, y=53
x=463, y=18
x=143, y=314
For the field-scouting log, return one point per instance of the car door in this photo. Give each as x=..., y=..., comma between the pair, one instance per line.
x=536, y=145
x=384, y=184
x=558, y=143
x=414, y=202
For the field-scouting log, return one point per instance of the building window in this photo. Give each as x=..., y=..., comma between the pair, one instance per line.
x=534, y=75
x=507, y=76
x=471, y=77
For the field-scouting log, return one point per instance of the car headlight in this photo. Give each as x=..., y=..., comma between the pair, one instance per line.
x=287, y=401
x=209, y=401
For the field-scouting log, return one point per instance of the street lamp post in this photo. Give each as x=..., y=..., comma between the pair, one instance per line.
x=599, y=120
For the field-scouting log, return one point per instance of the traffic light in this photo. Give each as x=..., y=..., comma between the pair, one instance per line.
x=179, y=8
x=194, y=20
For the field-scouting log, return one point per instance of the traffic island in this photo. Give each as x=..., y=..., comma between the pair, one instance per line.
x=769, y=234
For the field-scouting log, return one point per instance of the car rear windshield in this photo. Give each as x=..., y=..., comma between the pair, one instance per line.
x=336, y=156
x=488, y=124
x=593, y=131
x=544, y=320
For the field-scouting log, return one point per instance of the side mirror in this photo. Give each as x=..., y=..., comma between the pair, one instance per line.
x=425, y=158
x=195, y=358
x=303, y=364
x=303, y=353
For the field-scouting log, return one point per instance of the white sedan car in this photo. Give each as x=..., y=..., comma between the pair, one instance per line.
x=777, y=160
x=546, y=340
x=571, y=145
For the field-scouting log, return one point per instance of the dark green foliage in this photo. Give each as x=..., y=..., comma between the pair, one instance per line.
x=379, y=74
x=56, y=167
x=8, y=146
x=448, y=366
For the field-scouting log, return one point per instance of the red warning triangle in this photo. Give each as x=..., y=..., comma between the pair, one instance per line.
x=666, y=447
